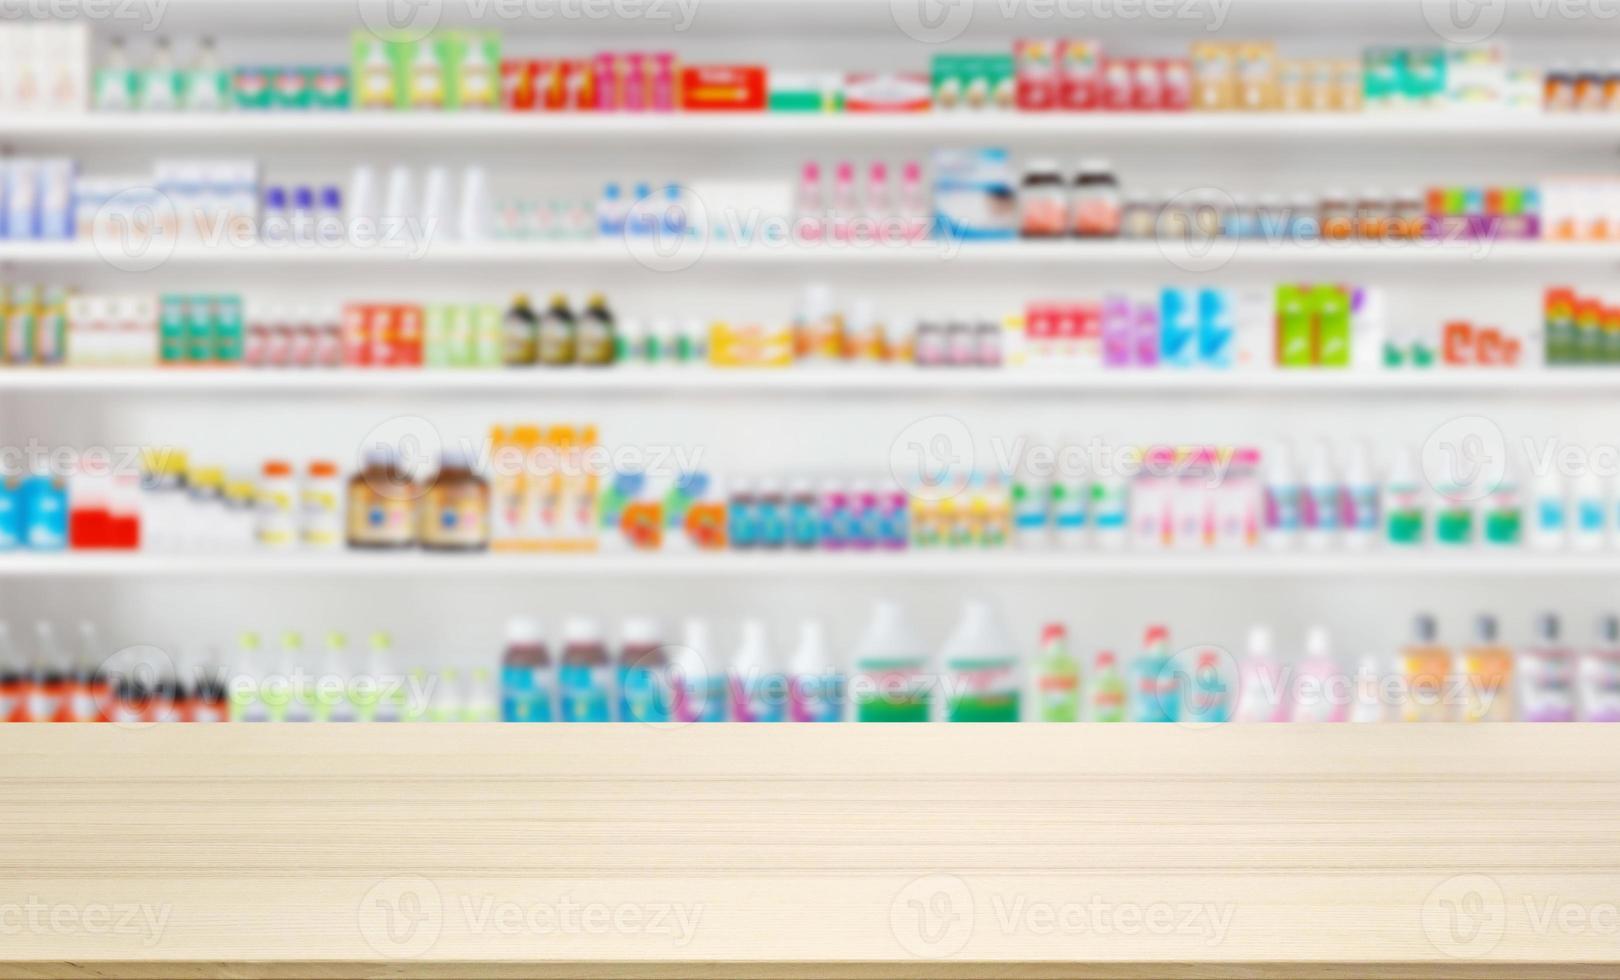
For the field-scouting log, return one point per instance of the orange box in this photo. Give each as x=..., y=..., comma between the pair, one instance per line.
x=723, y=88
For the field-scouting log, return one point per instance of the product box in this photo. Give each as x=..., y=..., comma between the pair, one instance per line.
x=471, y=61
x=1178, y=327
x=1214, y=82
x=1329, y=310
x=974, y=196
x=373, y=70
x=723, y=88
x=1217, y=329
x=1116, y=86
x=1079, y=75
x=805, y=92
x=974, y=81
x=887, y=92
x=1255, y=64
x=1037, y=79
x=1295, y=332
x=750, y=345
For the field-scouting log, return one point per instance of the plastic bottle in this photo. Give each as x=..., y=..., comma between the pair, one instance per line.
x=1501, y=520
x=597, y=341
x=246, y=696
x=1106, y=695
x=758, y=689
x=1360, y=501
x=1367, y=704
x=644, y=693
x=1320, y=691
x=810, y=205
x=1549, y=512
x=980, y=668
x=1033, y=497
x=1207, y=695
x=1545, y=675
x=1263, y=694
x=385, y=692
x=585, y=676
x=1283, y=501
x=891, y=681
x=698, y=680
x=916, y=214
x=1486, y=671
x=1155, y=686
x=12, y=677
x=1404, y=504
x=480, y=704
x=448, y=701
x=332, y=691
x=293, y=701
x=1589, y=530
x=520, y=334
x=846, y=207
x=880, y=206
x=90, y=690
x=559, y=334
x=1323, y=508
x=528, y=678
x=1425, y=666
x=1057, y=682
x=1599, y=674
x=612, y=212
x=816, y=685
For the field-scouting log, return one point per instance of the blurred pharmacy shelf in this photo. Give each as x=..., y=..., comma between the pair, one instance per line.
x=1531, y=256
x=809, y=381
x=348, y=128
x=933, y=564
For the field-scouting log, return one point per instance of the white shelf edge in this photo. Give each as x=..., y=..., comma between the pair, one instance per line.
x=353, y=125
x=938, y=253
x=1471, y=563
x=810, y=380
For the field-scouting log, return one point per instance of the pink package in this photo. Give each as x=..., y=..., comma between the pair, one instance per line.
x=1118, y=324
x=1146, y=322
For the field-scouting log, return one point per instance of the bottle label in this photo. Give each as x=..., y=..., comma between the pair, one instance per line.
x=701, y=699
x=1157, y=691
x=525, y=694
x=892, y=690
x=817, y=698
x=583, y=692
x=1060, y=697
x=1283, y=508
x=644, y=694
x=982, y=690
x=758, y=698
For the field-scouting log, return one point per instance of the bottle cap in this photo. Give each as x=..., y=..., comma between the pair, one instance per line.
x=1424, y=629
x=524, y=631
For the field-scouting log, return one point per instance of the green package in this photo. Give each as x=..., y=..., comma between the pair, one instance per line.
x=1380, y=75
x=200, y=329
x=228, y=329
x=973, y=80
x=1330, y=312
x=21, y=315
x=1293, y=328
x=374, y=73
x=172, y=328
x=1423, y=75
x=472, y=63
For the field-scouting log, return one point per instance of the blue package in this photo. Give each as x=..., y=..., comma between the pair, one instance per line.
x=1178, y=327
x=45, y=513
x=1217, y=330
x=11, y=513
x=974, y=195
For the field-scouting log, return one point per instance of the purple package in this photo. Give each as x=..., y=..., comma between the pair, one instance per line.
x=1145, y=318
x=1116, y=330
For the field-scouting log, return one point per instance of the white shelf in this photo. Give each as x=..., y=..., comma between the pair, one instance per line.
x=361, y=127
x=946, y=255
x=1469, y=563
x=811, y=381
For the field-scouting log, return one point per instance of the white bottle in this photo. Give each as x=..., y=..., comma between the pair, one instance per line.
x=697, y=676
x=1324, y=502
x=1284, y=506
x=810, y=205
x=438, y=221
x=1368, y=704
x=816, y=685
x=758, y=690
x=1034, y=519
x=481, y=704
x=980, y=669
x=1360, y=503
x=1600, y=674
x=1405, y=503
x=1320, y=689
x=892, y=679
x=1544, y=672
x=1590, y=510
x=1107, y=509
x=1548, y=513
x=1263, y=693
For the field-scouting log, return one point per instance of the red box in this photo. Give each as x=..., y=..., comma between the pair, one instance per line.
x=1147, y=85
x=1079, y=75
x=723, y=88
x=519, y=84
x=1175, y=76
x=357, y=335
x=1035, y=87
x=408, y=335
x=1116, y=88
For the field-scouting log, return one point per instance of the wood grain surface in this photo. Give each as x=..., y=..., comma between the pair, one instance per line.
x=841, y=850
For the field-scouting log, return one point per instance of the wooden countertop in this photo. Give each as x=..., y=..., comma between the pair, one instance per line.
x=831, y=851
